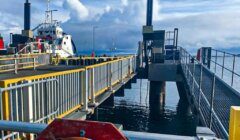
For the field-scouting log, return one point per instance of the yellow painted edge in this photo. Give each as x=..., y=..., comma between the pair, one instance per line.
x=15, y=80
x=5, y=101
x=66, y=113
x=104, y=89
x=109, y=62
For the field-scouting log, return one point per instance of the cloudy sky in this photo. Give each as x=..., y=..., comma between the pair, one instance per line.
x=213, y=23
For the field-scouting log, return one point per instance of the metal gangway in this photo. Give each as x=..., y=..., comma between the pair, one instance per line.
x=59, y=94
x=213, y=82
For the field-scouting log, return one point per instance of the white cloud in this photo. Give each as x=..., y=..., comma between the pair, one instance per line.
x=77, y=9
x=124, y=2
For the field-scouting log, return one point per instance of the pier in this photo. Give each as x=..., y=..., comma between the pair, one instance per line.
x=47, y=92
x=38, y=90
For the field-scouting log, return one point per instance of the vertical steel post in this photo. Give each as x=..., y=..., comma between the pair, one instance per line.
x=93, y=86
x=121, y=79
x=200, y=86
x=34, y=63
x=16, y=65
x=216, y=62
x=193, y=77
x=46, y=100
x=234, y=59
x=85, y=89
x=212, y=100
x=110, y=76
x=223, y=66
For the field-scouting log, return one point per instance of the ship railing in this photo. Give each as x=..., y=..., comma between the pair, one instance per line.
x=23, y=62
x=42, y=98
x=225, y=65
x=203, y=96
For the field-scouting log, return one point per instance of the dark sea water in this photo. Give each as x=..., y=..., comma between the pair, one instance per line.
x=135, y=112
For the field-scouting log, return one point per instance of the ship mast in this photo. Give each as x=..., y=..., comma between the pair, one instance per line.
x=48, y=14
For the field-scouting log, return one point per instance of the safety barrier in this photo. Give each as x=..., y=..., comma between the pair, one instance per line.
x=225, y=64
x=23, y=62
x=42, y=98
x=205, y=87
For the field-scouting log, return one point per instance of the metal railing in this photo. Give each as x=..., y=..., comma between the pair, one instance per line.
x=23, y=62
x=42, y=98
x=204, y=93
x=225, y=65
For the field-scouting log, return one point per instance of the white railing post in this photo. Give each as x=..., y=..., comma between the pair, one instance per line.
x=16, y=66
x=110, y=76
x=121, y=67
x=28, y=104
x=93, y=85
x=85, y=89
x=34, y=63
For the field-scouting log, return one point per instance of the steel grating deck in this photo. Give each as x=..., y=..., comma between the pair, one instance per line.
x=224, y=97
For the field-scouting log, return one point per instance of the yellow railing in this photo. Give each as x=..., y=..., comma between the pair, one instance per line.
x=41, y=97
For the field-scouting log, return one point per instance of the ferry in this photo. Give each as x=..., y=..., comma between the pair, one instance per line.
x=47, y=37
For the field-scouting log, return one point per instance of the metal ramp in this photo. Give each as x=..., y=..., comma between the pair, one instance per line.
x=212, y=96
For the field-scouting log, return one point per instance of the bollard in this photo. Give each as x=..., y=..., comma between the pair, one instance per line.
x=234, y=126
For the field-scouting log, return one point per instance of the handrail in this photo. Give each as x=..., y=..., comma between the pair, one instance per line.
x=223, y=66
x=187, y=59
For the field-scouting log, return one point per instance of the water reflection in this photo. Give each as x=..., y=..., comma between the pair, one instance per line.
x=138, y=110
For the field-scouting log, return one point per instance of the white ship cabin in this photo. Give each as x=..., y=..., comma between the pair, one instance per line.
x=53, y=30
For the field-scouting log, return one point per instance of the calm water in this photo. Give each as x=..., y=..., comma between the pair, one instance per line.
x=135, y=112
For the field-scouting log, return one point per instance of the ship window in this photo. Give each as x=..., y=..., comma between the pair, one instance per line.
x=67, y=37
x=54, y=32
x=64, y=43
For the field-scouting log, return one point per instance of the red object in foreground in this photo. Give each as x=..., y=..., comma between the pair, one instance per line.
x=1, y=43
x=80, y=130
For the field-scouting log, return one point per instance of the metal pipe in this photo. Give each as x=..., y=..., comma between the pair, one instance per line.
x=22, y=127
x=234, y=59
x=149, y=12
x=215, y=62
x=200, y=87
x=212, y=100
x=26, y=84
x=223, y=63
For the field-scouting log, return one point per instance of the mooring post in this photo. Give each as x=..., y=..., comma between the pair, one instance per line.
x=212, y=100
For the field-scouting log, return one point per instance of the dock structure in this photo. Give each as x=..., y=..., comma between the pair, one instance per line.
x=72, y=90
x=39, y=95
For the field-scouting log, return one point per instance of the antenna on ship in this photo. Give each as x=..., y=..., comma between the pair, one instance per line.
x=49, y=13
